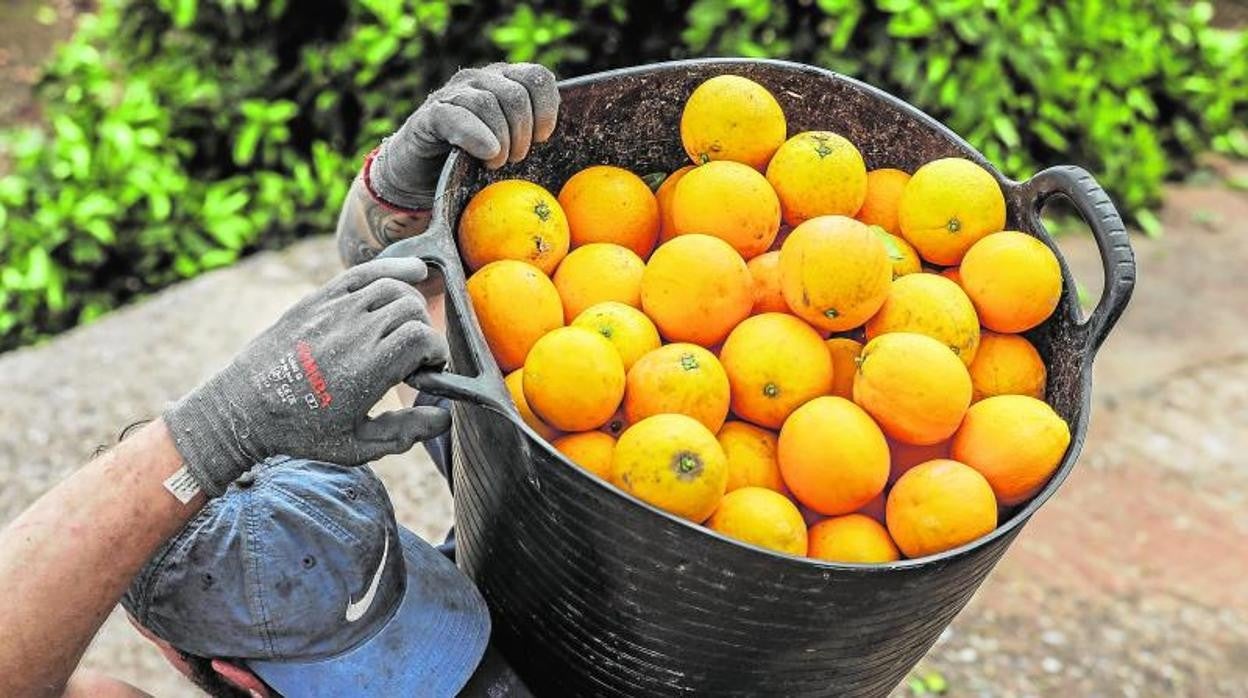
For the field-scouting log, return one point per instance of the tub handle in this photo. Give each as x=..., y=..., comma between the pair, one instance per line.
x=1117, y=259
x=437, y=249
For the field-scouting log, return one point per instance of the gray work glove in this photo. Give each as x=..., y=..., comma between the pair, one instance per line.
x=494, y=113
x=304, y=387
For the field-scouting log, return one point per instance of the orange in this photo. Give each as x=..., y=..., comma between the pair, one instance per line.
x=914, y=386
x=513, y=219
x=730, y=201
x=931, y=305
x=875, y=508
x=1013, y=279
x=954, y=274
x=939, y=505
x=573, y=379
x=1015, y=441
x=610, y=204
x=901, y=254
x=905, y=456
x=1006, y=364
x=761, y=517
x=515, y=305
x=818, y=173
x=765, y=273
x=628, y=328
x=672, y=462
x=751, y=453
x=598, y=272
x=732, y=118
x=775, y=362
x=515, y=386
x=884, y=187
x=833, y=457
x=696, y=288
x=592, y=450
x=851, y=538
x=947, y=206
x=667, y=190
x=834, y=272
x=844, y=352
x=678, y=378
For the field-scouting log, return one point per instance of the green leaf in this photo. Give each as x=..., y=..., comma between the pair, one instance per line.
x=1149, y=223
x=245, y=144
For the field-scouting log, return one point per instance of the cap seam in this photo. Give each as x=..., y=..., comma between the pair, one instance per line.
x=253, y=561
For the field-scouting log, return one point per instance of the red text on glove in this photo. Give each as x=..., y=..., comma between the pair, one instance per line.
x=315, y=379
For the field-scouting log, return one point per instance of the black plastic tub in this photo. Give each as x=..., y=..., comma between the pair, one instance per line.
x=594, y=592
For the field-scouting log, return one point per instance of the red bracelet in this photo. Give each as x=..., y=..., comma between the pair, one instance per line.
x=368, y=186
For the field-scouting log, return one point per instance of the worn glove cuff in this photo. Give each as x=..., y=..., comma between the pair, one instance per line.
x=209, y=436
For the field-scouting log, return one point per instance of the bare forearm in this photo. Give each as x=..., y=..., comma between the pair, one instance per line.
x=366, y=226
x=66, y=561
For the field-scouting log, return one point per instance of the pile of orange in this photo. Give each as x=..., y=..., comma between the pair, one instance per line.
x=793, y=350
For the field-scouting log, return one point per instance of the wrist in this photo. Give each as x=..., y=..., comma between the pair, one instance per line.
x=211, y=438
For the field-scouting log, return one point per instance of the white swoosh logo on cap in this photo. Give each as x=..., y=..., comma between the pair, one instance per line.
x=357, y=609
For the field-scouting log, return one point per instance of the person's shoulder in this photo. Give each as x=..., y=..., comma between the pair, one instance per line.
x=87, y=683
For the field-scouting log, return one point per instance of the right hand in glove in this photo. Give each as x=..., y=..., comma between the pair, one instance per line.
x=303, y=388
x=494, y=113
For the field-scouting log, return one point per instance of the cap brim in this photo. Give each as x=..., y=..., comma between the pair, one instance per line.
x=429, y=647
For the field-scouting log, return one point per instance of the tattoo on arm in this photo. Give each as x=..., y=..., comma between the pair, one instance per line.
x=365, y=227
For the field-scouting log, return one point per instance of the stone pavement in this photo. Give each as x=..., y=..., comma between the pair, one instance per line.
x=1129, y=582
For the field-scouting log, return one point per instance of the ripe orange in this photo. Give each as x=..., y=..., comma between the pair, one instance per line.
x=947, y=206
x=851, y=538
x=672, y=462
x=729, y=201
x=1006, y=364
x=844, y=352
x=751, y=453
x=883, y=201
x=954, y=274
x=761, y=517
x=1013, y=279
x=598, y=272
x=938, y=506
x=513, y=219
x=833, y=457
x=515, y=305
x=775, y=362
x=696, y=288
x=515, y=387
x=573, y=379
x=818, y=173
x=914, y=386
x=628, y=328
x=592, y=450
x=610, y=204
x=904, y=456
x=1014, y=441
x=678, y=378
x=835, y=273
x=901, y=254
x=765, y=273
x=732, y=118
x=931, y=305
x=667, y=190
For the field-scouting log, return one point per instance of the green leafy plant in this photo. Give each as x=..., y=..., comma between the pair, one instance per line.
x=181, y=134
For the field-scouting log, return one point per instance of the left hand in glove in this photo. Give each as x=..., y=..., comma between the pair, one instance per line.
x=494, y=113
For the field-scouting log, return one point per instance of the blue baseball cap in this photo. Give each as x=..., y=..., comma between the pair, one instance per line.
x=300, y=570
